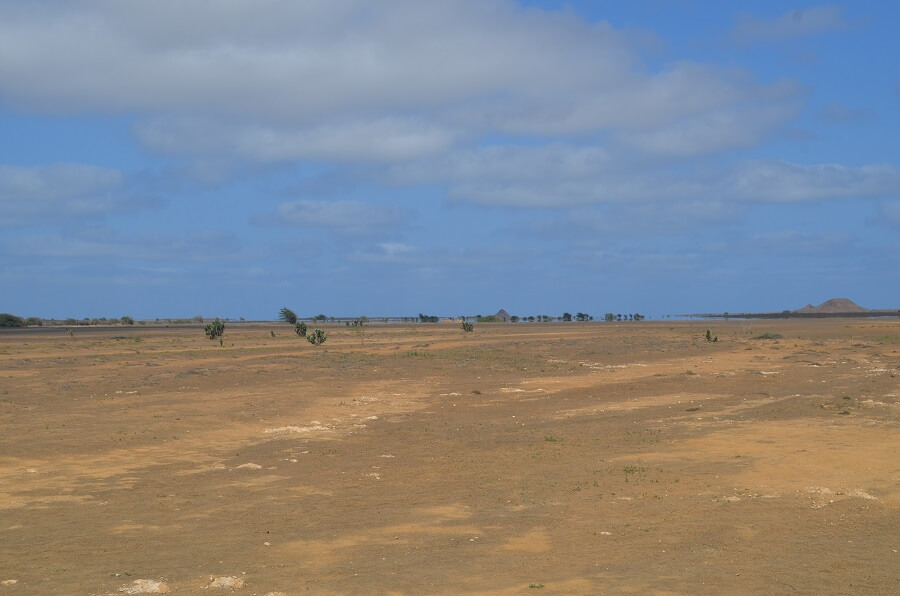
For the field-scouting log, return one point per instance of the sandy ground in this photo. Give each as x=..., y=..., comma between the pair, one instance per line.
x=518, y=459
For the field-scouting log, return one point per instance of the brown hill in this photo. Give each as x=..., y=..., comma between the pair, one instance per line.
x=833, y=306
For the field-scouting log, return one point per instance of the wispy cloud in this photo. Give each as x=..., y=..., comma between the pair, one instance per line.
x=572, y=176
x=835, y=112
x=347, y=217
x=30, y=194
x=799, y=22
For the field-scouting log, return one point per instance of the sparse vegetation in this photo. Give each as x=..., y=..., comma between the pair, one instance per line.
x=769, y=336
x=359, y=328
x=317, y=337
x=126, y=320
x=214, y=329
x=300, y=328
x=467, y=327
x=709, y=336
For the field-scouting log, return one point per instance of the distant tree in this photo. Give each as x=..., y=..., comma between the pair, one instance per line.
x=423, y=318
x=288, y=316
x=609, y=317
x=618, y=317
x=567, y=317
x=214, y=329
x=514, y=319
x=126, y=320
x=198, y=319
x=320, y=318
x=487, y=319
x=34, y=321
x=8, y=320
x=581, y=316
x=639, y=317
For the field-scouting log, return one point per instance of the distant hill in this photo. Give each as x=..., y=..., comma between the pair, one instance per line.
x=833, y=306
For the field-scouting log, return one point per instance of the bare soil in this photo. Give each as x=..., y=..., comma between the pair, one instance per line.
x=541, y=458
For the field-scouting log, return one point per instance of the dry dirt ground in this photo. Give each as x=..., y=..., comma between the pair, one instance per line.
x=518, y=459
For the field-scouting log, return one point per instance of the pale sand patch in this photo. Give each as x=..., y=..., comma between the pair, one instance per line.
x=226, y=582
x=800, y=457
x=145, y=586
x=300, y=430
x=535, y=541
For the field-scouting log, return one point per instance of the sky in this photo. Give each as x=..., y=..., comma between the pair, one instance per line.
x=230, y=157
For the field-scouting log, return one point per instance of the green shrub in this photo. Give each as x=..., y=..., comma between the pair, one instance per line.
x=300, y=328
x=214, y=329
x=317, y=337
x=8, y=320
x=467, y=327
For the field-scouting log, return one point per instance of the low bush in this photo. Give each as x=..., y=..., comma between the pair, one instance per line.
x=769, y=336
x=317, y=337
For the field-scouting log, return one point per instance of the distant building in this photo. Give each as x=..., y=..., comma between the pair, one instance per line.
x=502, y=316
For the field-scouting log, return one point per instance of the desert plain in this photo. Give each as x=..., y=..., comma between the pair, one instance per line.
x=419, y=459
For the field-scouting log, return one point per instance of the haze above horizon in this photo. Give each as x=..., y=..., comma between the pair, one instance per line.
x=170, y=159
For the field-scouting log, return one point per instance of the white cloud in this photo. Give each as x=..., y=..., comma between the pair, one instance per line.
x=385, y=139
x=710, y=132
x=796, y=23
x=352, y=81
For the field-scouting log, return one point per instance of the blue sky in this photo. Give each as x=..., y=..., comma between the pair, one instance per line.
x=229, y=158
